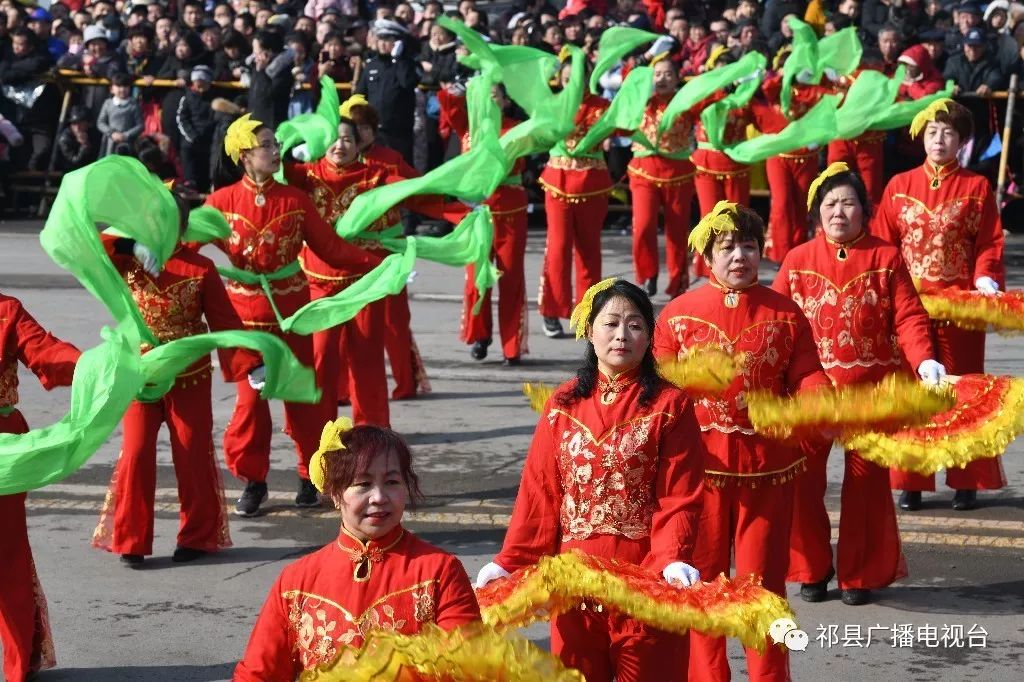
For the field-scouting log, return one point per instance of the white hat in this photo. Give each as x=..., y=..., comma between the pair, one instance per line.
x=996, y=5
x=94, y=32
x=386, y=28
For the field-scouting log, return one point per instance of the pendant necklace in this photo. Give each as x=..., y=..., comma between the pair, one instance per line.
x=841, y=252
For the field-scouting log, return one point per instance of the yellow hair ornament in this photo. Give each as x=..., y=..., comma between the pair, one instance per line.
x=581, y=313
x=715, y=55
x=721, y=219
x=834, y=168
x=354, y=101
x=777, y=60
x=564, y=53
x=330, y=441
x=240, y=136
x=661, y=56
x=538, y=395
x=927, y=115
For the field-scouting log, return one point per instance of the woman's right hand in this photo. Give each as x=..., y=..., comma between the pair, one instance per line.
x=488, y=573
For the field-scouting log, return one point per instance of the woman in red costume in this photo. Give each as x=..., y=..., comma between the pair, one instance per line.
x=662, y=180
x=718, y=177
x=864, y=153
x=407, y=368
x=868, y=322
x=24, y=627
x=173, y=302
x=614, y=470
x=508, y=208
x=576, y=185
x=790, y=174
x=269, y=223
x=333, y=183
x=375, y=576
x=748, y=491
x=945, y=221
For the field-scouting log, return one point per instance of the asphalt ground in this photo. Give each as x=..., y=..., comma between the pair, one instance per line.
x=962, y=603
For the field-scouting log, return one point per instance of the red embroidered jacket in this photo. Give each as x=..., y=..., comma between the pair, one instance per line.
x=614, y=479
x=585, y=175
x=266, y=238
x=328, y=599
x=779, y=355
x=24, y=340
x=768, y=114
x=713, y=160
x=950, y=235
x=174, y=303
x=864, y=312
x=658, y=166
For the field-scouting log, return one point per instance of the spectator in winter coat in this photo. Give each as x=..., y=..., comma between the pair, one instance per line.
x=921, y=78
x=34, y=109
x=389, y=80
x=195, y=123
x=270, y=82
x=973, y=70
x=79, y=142
x=98, y=58
x=120, y=119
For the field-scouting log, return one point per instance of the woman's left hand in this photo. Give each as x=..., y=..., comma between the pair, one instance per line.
x=680, y=574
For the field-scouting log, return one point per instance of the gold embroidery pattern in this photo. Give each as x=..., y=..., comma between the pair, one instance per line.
x=852, y=324
x=319, y=624
x=576, y=163
x=608, y=481
x=766, y=348
x=170, y=313
x=678, y=138
x=267, y=247
x=938, y=242
x=8, y=384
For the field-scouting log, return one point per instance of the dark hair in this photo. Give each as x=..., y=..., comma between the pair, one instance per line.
x=845, y=179
x=749, y=227
x=234, y=39
x=363, y=443
x=120, y=78
x=334, y=35
x=270, y=40
x=144, y=30
x=959, y=117
x=353, y=124
x=248, y=20
x=586, y=375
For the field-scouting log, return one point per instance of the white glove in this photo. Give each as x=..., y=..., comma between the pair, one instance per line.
x=987, y=286
x=662, y=44
x=146, y=259
x=301, y=153
x=755, y=75
x=832, y=74
x=491, y=571
x=396, y=51
x=411, y=278
x=258, y=378
x=680, y=574
x=931, y=372
x=806, y=77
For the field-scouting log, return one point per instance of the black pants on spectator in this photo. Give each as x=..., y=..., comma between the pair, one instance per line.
x=195, y=163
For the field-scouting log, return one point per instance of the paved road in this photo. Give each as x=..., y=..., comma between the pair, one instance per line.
x=171, y=622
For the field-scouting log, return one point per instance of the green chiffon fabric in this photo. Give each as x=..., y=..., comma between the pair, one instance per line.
x=815, y=128
x=625, y=112
x=317, y=129
x=615, y=44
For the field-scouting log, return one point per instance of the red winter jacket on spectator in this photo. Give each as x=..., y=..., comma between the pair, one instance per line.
x=930, y=80
x=574, y=7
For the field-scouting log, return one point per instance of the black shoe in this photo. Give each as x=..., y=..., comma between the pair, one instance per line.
x=252, y=497
x=553, y=328
x=965, y=500
x=910, y=500
x=856, y=597
x=479, y=349
x=652, y=286
x=512, y=362
x=133, y=560
x=184, y=554
x=815, y=592
x=308, y=496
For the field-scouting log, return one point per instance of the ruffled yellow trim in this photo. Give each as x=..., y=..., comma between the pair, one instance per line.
x=897, y=399
x=330, y=441
x=977, y=311
x=581, y=313
x=240, y=136
x=715, y=55
x=927, y=115
x=705, y=369
x=834, y=168
x=537, y=394
x=927, y=449
x=471, y=652
x=721, y=219
x=721, y=607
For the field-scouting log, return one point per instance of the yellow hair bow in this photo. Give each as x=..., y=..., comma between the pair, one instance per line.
x=715, y=55
x=354, y=101
x=660, y=57
x=240, y=136
x=581, y=313
x=330, y=441
x=834, y=168
x=718, y=221
x=927, y=115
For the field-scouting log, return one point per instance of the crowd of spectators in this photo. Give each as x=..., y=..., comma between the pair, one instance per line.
x=164, y=61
